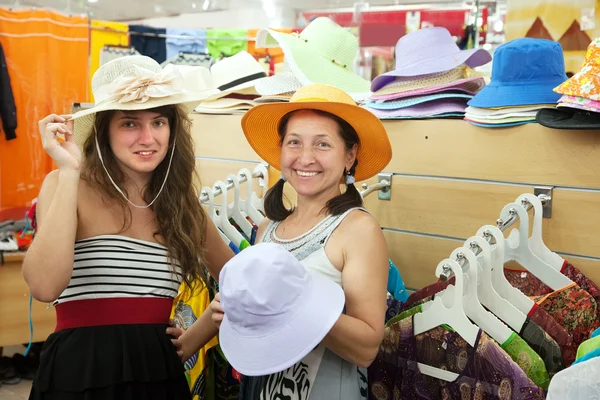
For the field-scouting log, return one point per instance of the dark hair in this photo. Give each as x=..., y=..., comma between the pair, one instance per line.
x=179, y=215
x=275, y=208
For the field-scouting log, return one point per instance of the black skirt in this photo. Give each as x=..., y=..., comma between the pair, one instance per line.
x=116, y=362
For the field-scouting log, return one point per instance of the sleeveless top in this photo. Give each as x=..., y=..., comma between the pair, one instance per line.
x=322, y=374
x=110, y=266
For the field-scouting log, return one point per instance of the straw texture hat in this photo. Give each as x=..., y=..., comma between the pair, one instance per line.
x=139, y=83
x=261, y=122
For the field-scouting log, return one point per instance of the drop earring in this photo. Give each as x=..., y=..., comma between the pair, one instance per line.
x=349, y=178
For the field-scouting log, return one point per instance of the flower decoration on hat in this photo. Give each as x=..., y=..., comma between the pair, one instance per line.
x=146, y=84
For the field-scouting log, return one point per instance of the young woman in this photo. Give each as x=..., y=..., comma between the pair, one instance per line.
x=321, y=141
x=119, y=227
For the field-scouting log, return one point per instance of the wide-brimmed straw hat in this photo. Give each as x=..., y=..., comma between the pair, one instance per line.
x=276, y=311
x=261, y=122
x=139, y=83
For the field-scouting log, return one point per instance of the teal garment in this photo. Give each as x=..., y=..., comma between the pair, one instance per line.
x=396, y=284
x=225, y=42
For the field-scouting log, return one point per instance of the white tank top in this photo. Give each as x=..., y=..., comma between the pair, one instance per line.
x=309, y=248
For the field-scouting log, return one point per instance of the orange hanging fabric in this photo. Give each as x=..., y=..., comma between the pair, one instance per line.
x=47, y=58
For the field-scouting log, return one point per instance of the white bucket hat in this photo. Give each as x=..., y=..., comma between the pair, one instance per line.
x=236, y=74
x=323, y=53
x=139, y=83
x=276, y=312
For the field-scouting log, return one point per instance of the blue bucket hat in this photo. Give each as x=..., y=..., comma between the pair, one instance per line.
x=524, y=72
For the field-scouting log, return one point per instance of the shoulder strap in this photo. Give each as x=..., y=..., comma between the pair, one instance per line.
x=338, y=220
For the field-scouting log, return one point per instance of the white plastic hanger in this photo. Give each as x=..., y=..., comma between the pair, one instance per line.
x=499, y=281
x=235, y=211
x=520, y=251
x=212, y=214
x=263, y=182
x=437, y=312
x=246, y=204
x=223, y=218
x=536, y=242
x=487, y=321
x=500, y=307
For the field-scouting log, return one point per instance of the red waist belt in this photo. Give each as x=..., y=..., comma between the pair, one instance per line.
x=113, y=311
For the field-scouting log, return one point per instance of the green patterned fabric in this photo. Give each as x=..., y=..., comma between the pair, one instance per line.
x=529, y=361
x=406, y=313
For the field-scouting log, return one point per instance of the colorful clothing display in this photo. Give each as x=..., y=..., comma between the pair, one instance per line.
x=568, y=348
x=574, y=309
x=543, y=345
x=485, y=371
x=527, y=359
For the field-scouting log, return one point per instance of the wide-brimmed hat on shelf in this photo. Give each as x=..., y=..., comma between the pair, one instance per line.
x=585, y=83
x=568, y=118
x=278, y=84
x=276, y=311
x=237, y=74
x=260, y=126
x=524, y=72
x=461, y=79
x=323, y=52
x=429, y=51
x=139, y=83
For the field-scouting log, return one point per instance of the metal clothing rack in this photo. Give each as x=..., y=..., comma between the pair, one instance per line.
x=502, y=225
x=217, y=191
x=367, y=189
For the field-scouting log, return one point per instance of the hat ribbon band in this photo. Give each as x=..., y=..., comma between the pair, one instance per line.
x=243, y=79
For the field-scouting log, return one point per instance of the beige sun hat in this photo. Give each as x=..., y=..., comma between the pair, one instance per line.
x=237, y=74
x=140, y=83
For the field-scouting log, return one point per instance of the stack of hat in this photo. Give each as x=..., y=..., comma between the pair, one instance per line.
x=324, y=52
x=432, y=78
x=524, y=72
x=579, y=106
x=237, y=77
x=279, y=87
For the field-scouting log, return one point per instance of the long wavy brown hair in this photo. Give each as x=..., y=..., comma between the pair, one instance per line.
x=179, y=215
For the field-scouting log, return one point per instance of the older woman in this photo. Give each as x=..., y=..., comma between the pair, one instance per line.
x=321, y=141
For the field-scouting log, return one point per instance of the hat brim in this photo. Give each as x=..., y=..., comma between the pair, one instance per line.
x=310, y=67
x=243, y=88
x=276, y=352
x=498, y=95
x=278, y=84
x=568, y=118
x=468, y=85
x=260, y=126
x=472, y=58
x=84, y=119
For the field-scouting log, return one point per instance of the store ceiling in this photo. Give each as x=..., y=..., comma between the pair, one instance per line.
x=140, y=9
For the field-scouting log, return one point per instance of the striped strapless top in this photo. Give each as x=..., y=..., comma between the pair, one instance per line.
x=116, y=266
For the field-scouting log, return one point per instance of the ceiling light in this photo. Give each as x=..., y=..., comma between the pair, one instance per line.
x=92, y=1
x=205, y=5
x=193, y=5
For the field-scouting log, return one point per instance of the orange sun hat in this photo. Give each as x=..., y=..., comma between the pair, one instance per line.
x=261, y=122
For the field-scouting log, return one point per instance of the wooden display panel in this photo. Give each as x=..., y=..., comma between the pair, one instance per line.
x=458, y=209
x=529, y=154
x=221, y=136
x=14, y=307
